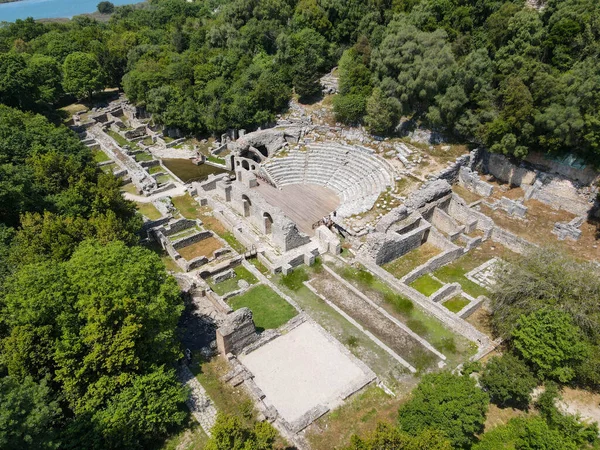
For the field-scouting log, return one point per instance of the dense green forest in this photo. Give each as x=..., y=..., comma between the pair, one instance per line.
x=492, y=72
x=88, y=317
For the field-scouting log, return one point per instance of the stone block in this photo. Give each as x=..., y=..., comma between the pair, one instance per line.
x=236, y=332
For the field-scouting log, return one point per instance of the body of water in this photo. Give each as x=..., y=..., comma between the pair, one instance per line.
x=51, y=9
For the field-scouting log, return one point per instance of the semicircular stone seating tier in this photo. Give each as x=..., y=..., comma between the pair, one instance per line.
x=354, y=173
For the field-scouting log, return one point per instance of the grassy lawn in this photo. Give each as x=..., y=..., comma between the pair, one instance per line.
x=260, y=266
x=164, y=256
x=241, y=273
x=74, y=108
x=117, y=137
x=454, y=273
x=109, y=168
x=215, y=160
x=295, y=279
x=155, y=169
x=268, y=308
x=143, y=157
x=359, y=415
x=456, y=304
x=148, y=210
x=227, y=399
x=188, y=207
x=164, y=179
x=426, y=285
x=100, y=156
x=130, y=188
x=147, y=141
x=403, y=265
x=192, y=437
x=205, y=247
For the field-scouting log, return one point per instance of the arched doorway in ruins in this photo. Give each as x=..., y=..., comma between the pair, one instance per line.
x=247, y=204
x=268, y=221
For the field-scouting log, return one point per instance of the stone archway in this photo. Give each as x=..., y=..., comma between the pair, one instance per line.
x=246, y=165
x=268, y=222
x=247, y=205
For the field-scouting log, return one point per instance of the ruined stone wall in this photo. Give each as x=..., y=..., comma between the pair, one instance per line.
x=328, y=241
x=434, y=263
x=284, y=232
x=443, y=222
x=471, y=181
x=585, y=175
x=177, y=226
x=468, y=216
x=510, y=240
x=501, y=168
x=189, y=240
x=383, y=248
x=237, y=332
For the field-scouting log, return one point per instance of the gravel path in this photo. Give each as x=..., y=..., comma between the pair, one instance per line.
x=199, y=402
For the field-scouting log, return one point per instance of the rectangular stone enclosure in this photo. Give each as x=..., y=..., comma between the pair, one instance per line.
x=305, y=373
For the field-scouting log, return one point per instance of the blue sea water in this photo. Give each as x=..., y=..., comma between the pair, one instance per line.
x=46, y=9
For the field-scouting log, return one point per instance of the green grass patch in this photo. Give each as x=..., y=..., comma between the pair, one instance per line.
x=155, y=169
x=260, y=266
x=164, y=179
x=215, y=160
x=117, y=137
x=143, y=156
x=456, y=304
x=168, y=139
x=295, y=279
x=130, y=188
x=455, y=274
x=401, y=304
x=231, y=284
x=148, y=210
x=232, y=241
x=147, y=141
x=108, y=168
x=413, y=259
x=100, y=156
x=426, y=285
x=268, y=308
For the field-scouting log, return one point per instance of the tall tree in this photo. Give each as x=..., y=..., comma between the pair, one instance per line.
x=82, y=75
x=451, y=404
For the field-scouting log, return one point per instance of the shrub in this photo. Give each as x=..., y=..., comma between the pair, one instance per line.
x=508, y=380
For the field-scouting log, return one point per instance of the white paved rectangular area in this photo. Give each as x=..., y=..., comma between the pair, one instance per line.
x=303, y=369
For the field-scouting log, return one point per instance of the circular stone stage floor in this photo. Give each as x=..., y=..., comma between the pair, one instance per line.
x=305, y=204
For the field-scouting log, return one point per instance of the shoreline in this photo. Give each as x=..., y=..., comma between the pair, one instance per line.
x=15, y=5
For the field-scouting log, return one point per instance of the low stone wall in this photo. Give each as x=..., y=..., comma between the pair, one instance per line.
x=189, y=240
x=452, y=171
x=433, y=264
x=328, y=241
x=178, y=226
x=471, y=181
x=383, y=248
x=151, y=163
x=472, y=307
x=510, y=241
x=445, y=292
x=135, y=133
